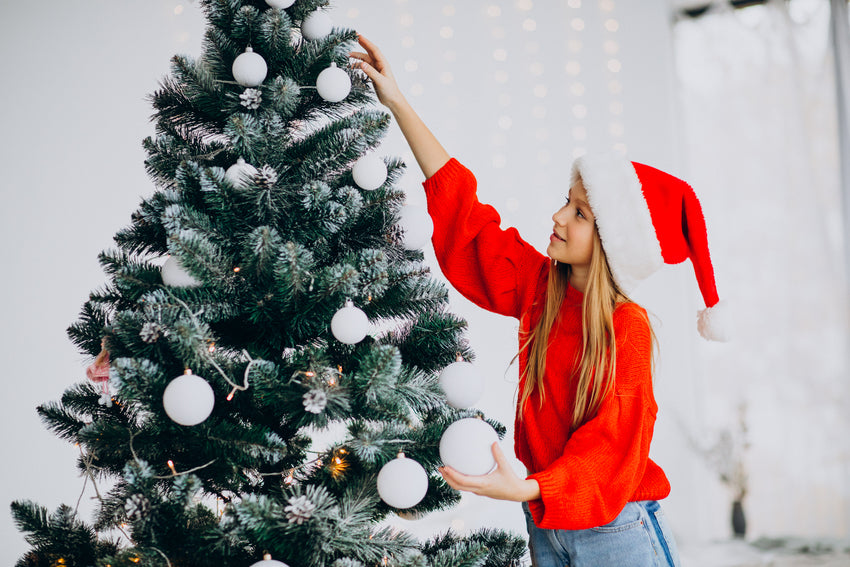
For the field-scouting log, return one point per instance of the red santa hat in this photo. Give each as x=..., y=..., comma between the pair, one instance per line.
x=647, y=218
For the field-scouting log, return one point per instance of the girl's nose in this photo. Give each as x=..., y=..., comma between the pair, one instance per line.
x=558, y=216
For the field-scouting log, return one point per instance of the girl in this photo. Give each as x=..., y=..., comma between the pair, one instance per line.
x=586, y=409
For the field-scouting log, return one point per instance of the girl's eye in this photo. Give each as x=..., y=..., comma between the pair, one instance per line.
x=579, y=213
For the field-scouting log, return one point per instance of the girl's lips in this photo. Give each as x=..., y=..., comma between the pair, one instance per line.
x=555, y=238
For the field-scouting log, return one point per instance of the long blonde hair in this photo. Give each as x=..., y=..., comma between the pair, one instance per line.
x=599, y=349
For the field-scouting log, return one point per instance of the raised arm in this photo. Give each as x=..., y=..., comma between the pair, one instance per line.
x=430, y=155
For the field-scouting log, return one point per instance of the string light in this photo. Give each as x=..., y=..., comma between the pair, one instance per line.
x=236, y=269
x=171, y=466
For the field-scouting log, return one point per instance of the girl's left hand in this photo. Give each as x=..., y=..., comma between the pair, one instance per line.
x=501, y=484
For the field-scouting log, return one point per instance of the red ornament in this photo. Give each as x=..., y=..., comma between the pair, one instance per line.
x=98, y=372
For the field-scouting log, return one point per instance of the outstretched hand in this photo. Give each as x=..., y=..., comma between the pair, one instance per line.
x=501, y=484
x=378, y=70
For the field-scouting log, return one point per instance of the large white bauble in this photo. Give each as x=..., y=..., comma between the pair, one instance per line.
x=349, y=325
x=249, y=68
x=462, y=384
x=402, y=483
x=465, y=446
x=267, y=560
x=369, y=172
x=317, y=25
x=416, y=225
x=240, y=173
x=333, y=84
x=280, y=3
x=175, y=275
x=188, y=399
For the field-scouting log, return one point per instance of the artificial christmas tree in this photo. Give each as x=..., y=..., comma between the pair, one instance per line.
x=242, y=428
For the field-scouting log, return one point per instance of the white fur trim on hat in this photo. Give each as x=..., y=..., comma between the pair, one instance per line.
x=622, y=217
x=714, y=323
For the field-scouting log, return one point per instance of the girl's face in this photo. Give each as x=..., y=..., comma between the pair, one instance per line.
x=571, y=241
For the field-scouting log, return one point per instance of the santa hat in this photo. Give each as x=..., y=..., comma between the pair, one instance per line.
x=647, y=218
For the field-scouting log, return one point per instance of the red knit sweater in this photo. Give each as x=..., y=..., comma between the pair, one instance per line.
x=588, y=477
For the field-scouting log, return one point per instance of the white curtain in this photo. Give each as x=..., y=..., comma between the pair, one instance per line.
x=760, y=143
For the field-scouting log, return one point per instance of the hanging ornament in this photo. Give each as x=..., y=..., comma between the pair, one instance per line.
x=173, y=274
x=98, y=372
x=333, y=84
x=280, y=3
x=251, y=98
x=315, y=401
x=317, y=25
x=267, y=559
x=188, y=399
x=416, y=226
x=369, y=172
x=465, y=446
x=462, y=384
x=349, y=325
x=402, y=483
x=249, y=68
x=299, y=510
x=240, y=174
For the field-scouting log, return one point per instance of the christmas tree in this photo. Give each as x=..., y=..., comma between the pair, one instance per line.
x=269, y=339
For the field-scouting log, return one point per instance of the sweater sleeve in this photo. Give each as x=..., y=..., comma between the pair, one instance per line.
x=604, y=460
x=494, y=268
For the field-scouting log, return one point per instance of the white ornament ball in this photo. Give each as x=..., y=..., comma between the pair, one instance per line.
x=465, y=446
x=268, y=561
x=240, y=173
x=416, y=225
x=402, y=483
x=188, y=399
x=349, y=325
x=333, y=84
x=249, y=68
x=369, y=172
x=280, y=3
x=317, y=25
x=175, y=275
x=462, y=384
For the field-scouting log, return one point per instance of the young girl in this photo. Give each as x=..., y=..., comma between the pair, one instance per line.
x=586, y=409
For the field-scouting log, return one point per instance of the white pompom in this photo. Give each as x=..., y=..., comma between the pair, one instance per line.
x=175, y=275
x=249, y=69
x=462, y=384
x=240, y=173
x=369, y=172
x=333, y=84
x=349, y=325
x=188, y=399
x=465, y=446
x=715, y=323
x=267, y=560
x=317, y=25
x=416, y=225
x=402, y=483
x=280, y=3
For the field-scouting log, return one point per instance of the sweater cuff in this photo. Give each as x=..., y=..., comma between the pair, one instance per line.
x=552, y=486
x=449, y=175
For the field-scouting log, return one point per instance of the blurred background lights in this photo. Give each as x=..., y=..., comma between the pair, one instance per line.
x=577, y=24
x=352, y=13
x=536, y=68
x=614, y=65
x=575, y=4
x=408, y=41
x=411, y=65
x=541, y=134
x=572, y=68
x=538, y=111
x=501, y=76
x=450, y=55
x=611, y=47
x=500, y=54
x=529, y=25
x=540, y=91
x=574, y=45
x=606, y=5
x=447, y=32
x=504, y=99
x=494, y=11
x=447, y=77
x=577, y=89
x=417, y=89
x=498, y=32
x=579, y=133
x=612, y=25
x=178, y=9
x=505, y=122
x=405, y=20
x=524, y=5
x=499, y=160
x=616, y=107
x=448, y=10
x=579, y=111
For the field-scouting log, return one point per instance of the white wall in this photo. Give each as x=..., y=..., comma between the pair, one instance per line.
x=76, y=73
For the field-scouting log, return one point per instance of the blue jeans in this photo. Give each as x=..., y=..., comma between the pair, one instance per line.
x=638, y=537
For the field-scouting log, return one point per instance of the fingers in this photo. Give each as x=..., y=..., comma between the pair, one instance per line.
x=501, y=460
x=371, y=48
x=460, y=481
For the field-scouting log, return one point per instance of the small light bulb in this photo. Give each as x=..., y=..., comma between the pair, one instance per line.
x=236, y=269
x=171, y=466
